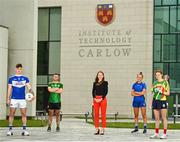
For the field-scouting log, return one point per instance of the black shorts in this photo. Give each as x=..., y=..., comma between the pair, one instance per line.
x=56, y=106
x=158, y=104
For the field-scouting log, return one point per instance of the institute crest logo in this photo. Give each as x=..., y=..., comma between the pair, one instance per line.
x=105, y=14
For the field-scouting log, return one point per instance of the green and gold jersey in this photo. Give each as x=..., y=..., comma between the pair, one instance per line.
x=158, y=90
x=55, y=97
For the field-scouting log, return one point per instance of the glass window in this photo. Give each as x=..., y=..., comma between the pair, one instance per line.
x=43, y=56
x=43, y=24
x=169, y=2
x=42, y=79
x=173, y=19
x=160, y=66
x=178, y=20
x=157, y=48
x=55, y=23
x=178, y=49
x=174, y=72
x=161, y=20
x=157, y=2
x=169, y=48
x=42, y=98
x=54, y=57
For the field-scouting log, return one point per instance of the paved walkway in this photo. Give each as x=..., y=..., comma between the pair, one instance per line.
x=78, y=130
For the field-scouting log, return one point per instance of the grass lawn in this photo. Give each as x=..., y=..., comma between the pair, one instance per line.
x=131, y=125
x=30, y=123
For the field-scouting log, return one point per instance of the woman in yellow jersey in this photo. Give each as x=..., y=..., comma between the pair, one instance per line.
x=160, y=90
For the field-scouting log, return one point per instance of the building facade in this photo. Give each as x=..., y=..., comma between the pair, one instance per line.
x=75, y=39
x=3, y=67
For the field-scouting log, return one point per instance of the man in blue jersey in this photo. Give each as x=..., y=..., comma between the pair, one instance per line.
x=16, y=98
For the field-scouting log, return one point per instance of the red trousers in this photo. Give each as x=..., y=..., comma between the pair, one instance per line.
x=97, y=106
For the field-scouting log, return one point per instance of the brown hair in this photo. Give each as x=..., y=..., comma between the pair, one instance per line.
x=159, y=71
x=96, y=79
x=18, y=66
x=57, y=75
x=140, y=73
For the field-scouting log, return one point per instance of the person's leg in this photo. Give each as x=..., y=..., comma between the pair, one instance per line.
x=57, y=112
x=96, y=115
x=157, y=120
x=11, y=117
x=136, y=115
x=103, y=106
x=13, y=106
x=50, y=117
x=23, y=109
x=24, y=117
x=144, y=116
x=164, y=118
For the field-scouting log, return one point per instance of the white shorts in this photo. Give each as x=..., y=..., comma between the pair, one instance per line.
x=15, y=103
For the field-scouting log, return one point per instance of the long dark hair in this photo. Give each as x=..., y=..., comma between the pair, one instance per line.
x=96, y=79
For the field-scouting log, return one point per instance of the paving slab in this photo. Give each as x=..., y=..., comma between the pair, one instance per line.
x=78, y=130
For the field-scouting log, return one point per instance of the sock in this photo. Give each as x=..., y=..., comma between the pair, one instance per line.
x=145, y=125
x=157, y=130
x=10, y=127
x=136, y=126
x=24, y=126
x=165, y=130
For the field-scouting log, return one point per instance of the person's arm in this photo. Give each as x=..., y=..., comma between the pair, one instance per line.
x=8, y=97
x=93, y=91
x=105, y=89
x=30, y=90
x=133, y=93
x=140, y=93
x=151, y=99
x=167, y=90
x=52, y=89
x=59, y=90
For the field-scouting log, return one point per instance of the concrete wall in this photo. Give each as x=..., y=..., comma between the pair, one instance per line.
x=3, y=67
x=21, y=18
x=127, y=50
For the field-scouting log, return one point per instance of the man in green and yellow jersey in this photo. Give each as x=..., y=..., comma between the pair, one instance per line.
x=55, y=89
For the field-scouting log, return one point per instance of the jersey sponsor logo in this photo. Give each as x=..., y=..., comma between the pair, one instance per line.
x=163, y=105
x=18, y=84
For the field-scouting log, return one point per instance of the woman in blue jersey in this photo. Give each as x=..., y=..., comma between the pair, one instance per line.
x=138, y=91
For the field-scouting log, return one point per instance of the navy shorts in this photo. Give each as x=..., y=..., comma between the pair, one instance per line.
x=158, y=104
x=56, y=106
x=139, y=101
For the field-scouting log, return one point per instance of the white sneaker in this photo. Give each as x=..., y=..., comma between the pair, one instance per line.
x=9, y=133
x=25, y=133
x=155, y=136
x=164, y=136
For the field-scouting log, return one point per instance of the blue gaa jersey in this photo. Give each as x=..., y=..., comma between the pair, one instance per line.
x=138, y=87
x=139, y=101
x=18, y=86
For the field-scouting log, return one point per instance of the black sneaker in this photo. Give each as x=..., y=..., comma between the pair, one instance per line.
x=144, y=131
x=135, y=130
x=49, y=129
x=57, y=129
